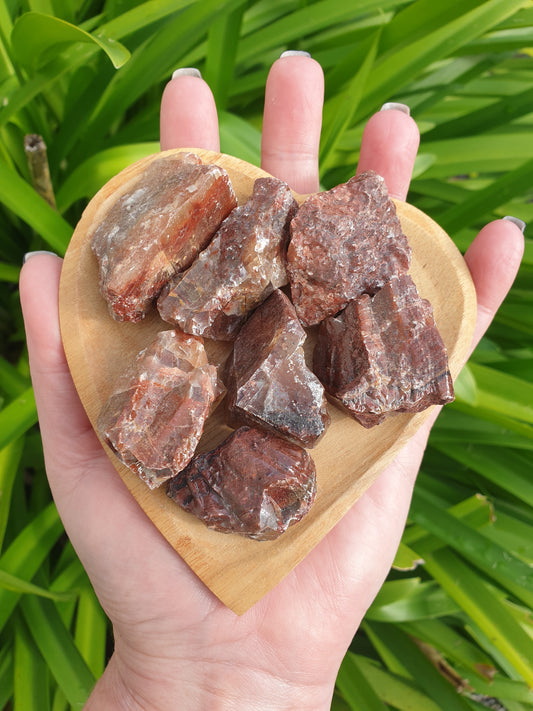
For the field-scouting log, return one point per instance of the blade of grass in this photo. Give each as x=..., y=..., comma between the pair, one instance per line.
x=31, y=679
x=355, y=688
x=478, y=601
x=21, y=198
x=17, y=417
x=11, y=582
x=26, y=554
x=391, y=642
x=91, y=630
x=10, y=457
x=57, y=647
x=6, y=675
x=222, y=43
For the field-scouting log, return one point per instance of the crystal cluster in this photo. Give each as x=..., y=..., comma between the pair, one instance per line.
x=241, y=266
x=155, y=226
x=268, y=381
x=155, y=416
x=384, y=354
x=344, y=242
x=254, y=484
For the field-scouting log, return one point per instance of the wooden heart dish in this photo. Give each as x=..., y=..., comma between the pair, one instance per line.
x=348, y=458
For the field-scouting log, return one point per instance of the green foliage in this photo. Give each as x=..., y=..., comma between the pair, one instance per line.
x=452, y=626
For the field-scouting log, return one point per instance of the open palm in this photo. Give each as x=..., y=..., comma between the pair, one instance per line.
x=177, y=646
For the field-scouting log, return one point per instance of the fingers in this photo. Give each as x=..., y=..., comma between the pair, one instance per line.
x=493, y=259
x=292, y=121
x=389, y=146
x=188, y=116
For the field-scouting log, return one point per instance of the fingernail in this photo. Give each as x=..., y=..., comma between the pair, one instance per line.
x=37, y=251
x=187, y=72
x=519, y=223
x=294, y=53
x=396, y=107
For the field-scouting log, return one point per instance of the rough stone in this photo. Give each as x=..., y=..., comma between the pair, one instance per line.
x=384, y=354
x=268, y=381
x=155, y=226
x=255, y=484
x=344, y=242
x=155, y=417
x=241, y=266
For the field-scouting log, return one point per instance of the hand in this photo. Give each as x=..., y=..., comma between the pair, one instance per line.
x=176, y=644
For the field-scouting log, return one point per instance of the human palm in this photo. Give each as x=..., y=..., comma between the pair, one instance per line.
x=177, y=646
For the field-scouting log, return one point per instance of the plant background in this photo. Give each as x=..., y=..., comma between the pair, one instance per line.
x=452, y=627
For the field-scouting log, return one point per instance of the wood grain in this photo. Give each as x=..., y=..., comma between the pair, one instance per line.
x=348, y=458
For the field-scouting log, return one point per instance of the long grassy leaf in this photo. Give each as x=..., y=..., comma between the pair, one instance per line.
x=222, y=43
x=394, y=643
x=11, y=582
x=91, y=629
x=17, y=417
x=26, y=553
x=10, y=457
x=58, y=649
x=479, y=602
x=35, y=36
x=355, y=688
x=22, y=199
x=31, y=678
x=6, y=675
x=12, y=382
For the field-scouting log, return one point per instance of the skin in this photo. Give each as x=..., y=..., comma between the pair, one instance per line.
x=177, y=646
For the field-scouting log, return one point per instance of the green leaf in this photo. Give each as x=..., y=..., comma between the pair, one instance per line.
x=10, y=457
x=21, y=198
x=478, y=601
x=36, y=37
x=31, y=679
x=17, y=417
x=57, y=647
x=406, y=558
x=222, y=43
x=355, y=688
x=91, y=630
x=424, y=601
x=26, y=553
x=92, y=174
x=11, y=582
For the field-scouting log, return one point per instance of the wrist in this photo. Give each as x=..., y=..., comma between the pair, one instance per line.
x=228, y=688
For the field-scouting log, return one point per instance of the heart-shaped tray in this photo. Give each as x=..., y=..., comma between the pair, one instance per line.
x=348, y=458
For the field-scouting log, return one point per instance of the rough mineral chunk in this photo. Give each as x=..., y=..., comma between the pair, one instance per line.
x=254, y=484
x=155, y=417
x=155, y=226
x=384, y=354
x=344, y=242
x=238, y=270
x=268, y=381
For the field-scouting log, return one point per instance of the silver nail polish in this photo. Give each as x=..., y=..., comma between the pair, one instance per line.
x=37, y=251
x=187, y=72
x=294, y=53
x=516, y=221
x=396, y=107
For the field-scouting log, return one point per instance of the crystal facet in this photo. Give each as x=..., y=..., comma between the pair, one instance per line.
x=241, y=266
x=254, y=484
x=268, y=381
x=154, y=226
x=384, y=354
x=155, y=417
x=344, y=242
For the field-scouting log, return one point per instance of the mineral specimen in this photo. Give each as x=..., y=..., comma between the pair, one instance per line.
x=344, y=242
x=241, y=266
x=155, y=417
x=155, y=226
x=384, y=354
x=268, y=381
x=254, y=484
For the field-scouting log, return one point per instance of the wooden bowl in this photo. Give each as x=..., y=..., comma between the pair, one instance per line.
x=348, y=458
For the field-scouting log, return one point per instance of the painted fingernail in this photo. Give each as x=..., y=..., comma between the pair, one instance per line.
x=294, y=53
x=396, y=107
x=187, y=72
x=28, y=255
x=519, y=223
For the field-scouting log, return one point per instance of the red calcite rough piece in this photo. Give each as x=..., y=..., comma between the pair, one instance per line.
x=241, y=266
x=154, y=226
x=155, y=417
x=269, y=384
x=344, y=242
x=254, y=484
x=384, y=354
